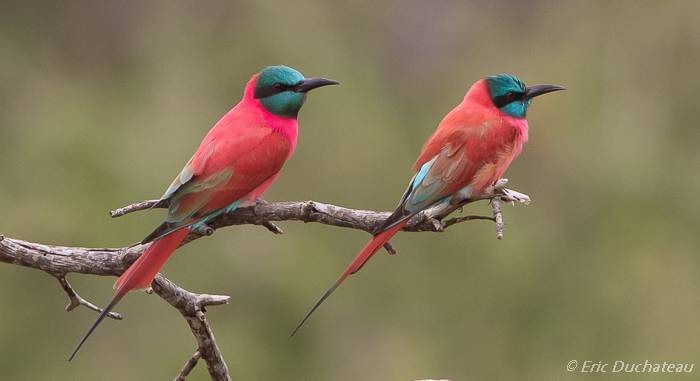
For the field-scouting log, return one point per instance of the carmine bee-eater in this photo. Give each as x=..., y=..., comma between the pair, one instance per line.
x=470, y=150
x=237, y=161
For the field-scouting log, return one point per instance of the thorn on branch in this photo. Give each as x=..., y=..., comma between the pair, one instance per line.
x=272, y=227
x=76, y=300
x=267, y=224
x=390, y=248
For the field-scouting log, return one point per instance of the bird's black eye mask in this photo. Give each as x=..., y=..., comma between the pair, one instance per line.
x=506, y=99
x=267, y=91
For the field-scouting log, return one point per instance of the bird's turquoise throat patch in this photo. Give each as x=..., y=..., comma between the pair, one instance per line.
x=286, y=104
x=275, y=89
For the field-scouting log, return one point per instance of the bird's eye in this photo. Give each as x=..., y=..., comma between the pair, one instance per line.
x=278, y=86
x=510, y=95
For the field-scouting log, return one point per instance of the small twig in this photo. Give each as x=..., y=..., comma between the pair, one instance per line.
x=497, y=216
x=457, y=220
x=390, y=248
x=268, y=224
x=143, y=205
x=206, y=300
x=191, y=363
x=76, y=300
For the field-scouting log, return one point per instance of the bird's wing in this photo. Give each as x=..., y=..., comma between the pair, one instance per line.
x=451, y=160
x=225, y=168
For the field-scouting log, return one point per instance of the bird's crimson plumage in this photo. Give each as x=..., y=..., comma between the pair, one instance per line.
x=474, y=143
x=471, y=149
x=236, y=162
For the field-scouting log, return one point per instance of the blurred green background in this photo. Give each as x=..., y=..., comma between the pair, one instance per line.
x=102, y=103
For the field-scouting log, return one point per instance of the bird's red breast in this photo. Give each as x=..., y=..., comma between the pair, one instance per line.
x=477, y=136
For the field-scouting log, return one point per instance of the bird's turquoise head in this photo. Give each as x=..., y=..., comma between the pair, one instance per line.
x=282, y=90
x=510, y=95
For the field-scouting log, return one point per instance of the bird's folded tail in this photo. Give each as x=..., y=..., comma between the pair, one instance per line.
x=369, y=250
x=140, y=274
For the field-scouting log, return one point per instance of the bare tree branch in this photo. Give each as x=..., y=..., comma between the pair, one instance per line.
x=498, y=216
x=58, y=261
x=144, y=205
x=191, y=307
x=191, y=363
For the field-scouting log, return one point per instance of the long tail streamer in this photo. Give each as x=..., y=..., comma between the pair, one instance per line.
x=140, y=274
x=369, y=250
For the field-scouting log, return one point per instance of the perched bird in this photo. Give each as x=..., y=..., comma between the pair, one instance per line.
x=470, y=150
x=235, y=163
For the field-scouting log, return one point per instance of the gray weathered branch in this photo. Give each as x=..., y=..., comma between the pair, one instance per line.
x=58, y=261
x=191, y=363
x=191, y=307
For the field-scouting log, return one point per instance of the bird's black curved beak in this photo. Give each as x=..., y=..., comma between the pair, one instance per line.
x=533, y=91
x=311, y=83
